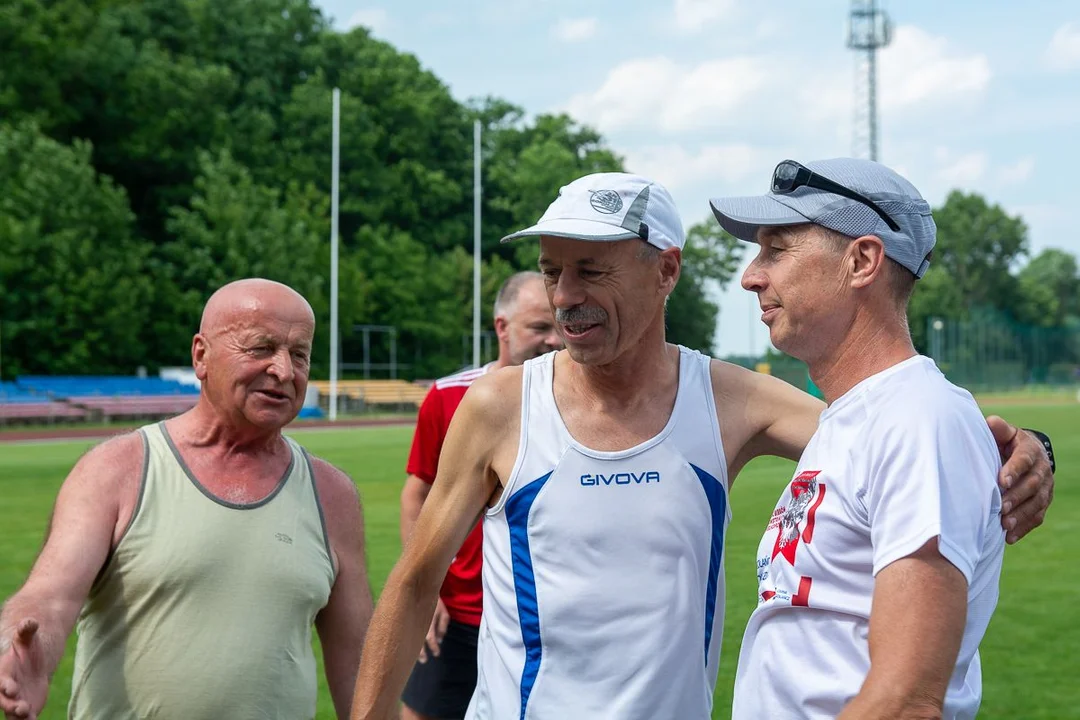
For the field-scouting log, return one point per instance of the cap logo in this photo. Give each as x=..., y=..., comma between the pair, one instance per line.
x=605, y=201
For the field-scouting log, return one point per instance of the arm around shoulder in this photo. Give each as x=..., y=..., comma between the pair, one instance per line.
x=761, y=415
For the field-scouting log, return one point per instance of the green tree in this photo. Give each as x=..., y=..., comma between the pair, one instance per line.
x=237, y=228
x=215, y=117
x=710, y=259
x=151, y=83
x=426, y=297
x=1050, y=307
x=105, y=76
x=405, y=147
x=1049, y=289
x=524, y=165
x=74, y=296
x=977, y=245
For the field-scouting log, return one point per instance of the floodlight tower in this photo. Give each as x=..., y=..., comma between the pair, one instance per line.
x=868, y=30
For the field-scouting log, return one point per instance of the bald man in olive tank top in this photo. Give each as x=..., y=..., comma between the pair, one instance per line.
x=195, y=555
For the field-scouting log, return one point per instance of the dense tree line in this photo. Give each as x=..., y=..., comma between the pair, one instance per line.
x=153, y=150
x=978, y=270
x=1006, y=314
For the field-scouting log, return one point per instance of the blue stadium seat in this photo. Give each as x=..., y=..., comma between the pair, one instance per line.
x=12, y=393
x=74, y=386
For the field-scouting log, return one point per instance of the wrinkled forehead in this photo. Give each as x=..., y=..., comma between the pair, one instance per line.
x=271, y=321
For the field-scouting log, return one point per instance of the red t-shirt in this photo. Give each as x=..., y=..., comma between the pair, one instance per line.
x=462, y=591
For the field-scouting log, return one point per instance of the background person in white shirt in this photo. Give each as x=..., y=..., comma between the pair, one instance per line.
x=878, y=571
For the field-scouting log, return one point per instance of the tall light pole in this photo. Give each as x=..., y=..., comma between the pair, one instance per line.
x=476, y=243
x=869, y=30
x=335, y=153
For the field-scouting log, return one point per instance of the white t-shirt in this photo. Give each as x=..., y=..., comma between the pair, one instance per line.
x=903, y=457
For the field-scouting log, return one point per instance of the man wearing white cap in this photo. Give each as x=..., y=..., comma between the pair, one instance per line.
x=601, y=474
x=878, y=571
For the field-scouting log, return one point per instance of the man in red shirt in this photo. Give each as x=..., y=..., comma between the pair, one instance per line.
x=443, y=680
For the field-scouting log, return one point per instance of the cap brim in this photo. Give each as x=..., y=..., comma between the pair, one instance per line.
x=742, y=216
x=575, y=229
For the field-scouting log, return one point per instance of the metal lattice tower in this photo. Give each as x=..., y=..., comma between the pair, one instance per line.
x=868, y=30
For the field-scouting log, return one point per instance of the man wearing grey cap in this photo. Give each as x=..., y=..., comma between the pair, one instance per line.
x=878, y=571
x=601, y=474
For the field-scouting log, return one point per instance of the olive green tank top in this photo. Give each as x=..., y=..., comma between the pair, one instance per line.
x=205, y=608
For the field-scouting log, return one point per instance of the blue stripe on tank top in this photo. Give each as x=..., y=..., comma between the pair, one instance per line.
x=517, y=517
x=718, y=505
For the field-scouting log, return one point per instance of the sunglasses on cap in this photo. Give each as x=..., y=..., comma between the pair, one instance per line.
x=790, y=176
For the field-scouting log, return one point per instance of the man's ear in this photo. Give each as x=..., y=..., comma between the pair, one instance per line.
x=502, y=328
x=669, y=263
x=867, y=255
x=199, y=349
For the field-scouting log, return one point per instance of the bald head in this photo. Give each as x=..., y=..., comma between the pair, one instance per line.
x=253, y=353
x=253, y=296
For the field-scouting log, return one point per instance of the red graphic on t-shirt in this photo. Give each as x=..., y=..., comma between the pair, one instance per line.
x=806, y=496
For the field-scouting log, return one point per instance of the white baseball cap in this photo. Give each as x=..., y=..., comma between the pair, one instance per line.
x=611, y=206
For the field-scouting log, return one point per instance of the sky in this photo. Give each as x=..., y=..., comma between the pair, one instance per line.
x=706, y=96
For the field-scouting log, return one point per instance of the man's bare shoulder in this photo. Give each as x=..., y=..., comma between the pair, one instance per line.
x=105, y=481
x=487, y=424
x=340, y=501
x=334, y=485
x=733, y=382
x=495, y=396
x=119, y=459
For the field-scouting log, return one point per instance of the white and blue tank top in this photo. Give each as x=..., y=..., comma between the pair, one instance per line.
x=603, y=571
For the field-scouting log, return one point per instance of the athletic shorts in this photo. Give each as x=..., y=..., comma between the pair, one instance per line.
x=443, y=686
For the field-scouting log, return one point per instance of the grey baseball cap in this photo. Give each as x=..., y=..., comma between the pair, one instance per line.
x=909, y=245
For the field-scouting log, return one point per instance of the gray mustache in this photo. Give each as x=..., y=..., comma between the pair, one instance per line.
x=580, y=315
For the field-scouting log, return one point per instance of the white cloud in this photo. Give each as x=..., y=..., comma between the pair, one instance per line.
x=720, y=166
x=693, y=15
x=770, y=27
x=1018, y=172
x=975, y=170
x=961, y=170
x=936, y=171
x=1063, y=53
x=659, y=93
x=919, y=74
x=575, y=30
x=440, y=18
x=374, y=19
x=1049, y=225
x=919, y=69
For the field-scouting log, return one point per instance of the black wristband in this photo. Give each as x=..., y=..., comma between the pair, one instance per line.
x=1045, y=440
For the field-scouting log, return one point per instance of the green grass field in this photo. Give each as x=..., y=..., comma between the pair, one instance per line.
x=1031, y=654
